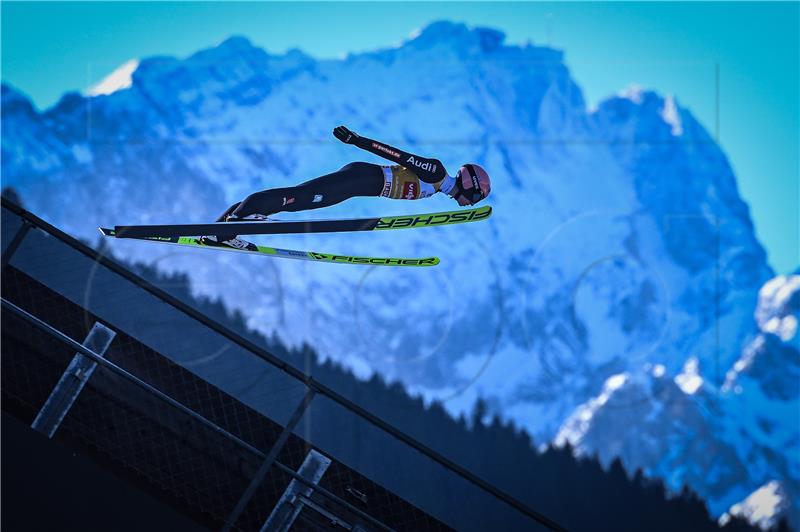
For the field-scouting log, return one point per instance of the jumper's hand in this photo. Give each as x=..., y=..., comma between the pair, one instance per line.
x=345, y=135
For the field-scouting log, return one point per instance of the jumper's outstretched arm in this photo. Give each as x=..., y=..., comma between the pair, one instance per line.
x=428, y=170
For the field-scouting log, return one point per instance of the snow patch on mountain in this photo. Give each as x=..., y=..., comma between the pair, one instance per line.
x=119, y=79
x=633, y=93
x=578, y=424
x=689, y=380
x=763, y=507
x=670, y=115
x=777, y=299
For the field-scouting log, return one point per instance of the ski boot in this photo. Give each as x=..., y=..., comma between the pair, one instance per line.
x=233, y=241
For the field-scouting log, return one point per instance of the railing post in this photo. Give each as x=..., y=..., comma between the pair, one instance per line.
x=269, y=460
x=72, y=381
x=15, y=242
x=291, y=502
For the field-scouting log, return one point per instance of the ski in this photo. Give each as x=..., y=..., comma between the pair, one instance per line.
x=313, y=256
x=311, y=226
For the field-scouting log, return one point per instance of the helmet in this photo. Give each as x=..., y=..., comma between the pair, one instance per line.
x=472, y=184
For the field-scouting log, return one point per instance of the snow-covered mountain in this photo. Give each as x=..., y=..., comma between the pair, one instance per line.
x=727, y=438
x=606, y=302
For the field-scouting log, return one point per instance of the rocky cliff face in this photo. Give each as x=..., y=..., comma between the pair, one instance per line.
x=733, y=439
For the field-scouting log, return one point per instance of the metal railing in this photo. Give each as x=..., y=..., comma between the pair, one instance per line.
x=269, y=459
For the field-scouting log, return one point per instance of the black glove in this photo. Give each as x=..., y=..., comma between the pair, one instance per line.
x=345, y=135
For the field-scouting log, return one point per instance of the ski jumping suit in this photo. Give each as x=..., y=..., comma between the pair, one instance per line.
x=413, y=177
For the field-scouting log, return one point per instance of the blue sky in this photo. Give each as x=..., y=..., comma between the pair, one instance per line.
x=676, y=48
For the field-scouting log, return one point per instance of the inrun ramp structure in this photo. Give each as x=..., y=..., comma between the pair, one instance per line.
x=203, y=419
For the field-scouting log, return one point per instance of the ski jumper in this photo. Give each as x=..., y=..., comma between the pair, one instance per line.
x=412, y=177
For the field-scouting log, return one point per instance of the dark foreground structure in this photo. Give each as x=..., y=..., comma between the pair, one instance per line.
x=127, y=409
